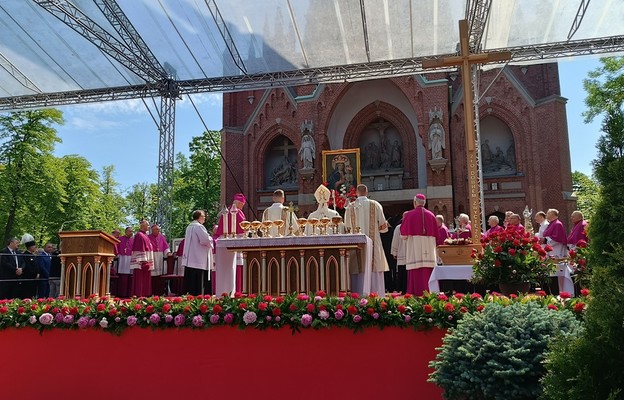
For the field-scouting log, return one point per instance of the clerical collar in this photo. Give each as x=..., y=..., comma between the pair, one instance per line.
x=276, y=204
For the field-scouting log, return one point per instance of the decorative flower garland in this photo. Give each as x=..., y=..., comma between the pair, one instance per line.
x=261, y=312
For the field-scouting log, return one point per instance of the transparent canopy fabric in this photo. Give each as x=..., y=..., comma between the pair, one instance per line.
x=198, y=39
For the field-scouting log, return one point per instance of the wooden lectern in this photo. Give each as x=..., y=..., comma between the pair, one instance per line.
x=86, y=259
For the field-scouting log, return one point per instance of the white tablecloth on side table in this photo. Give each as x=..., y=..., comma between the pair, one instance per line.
x=464, y=273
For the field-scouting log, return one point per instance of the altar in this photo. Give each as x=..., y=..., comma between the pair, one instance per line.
x=303, y=264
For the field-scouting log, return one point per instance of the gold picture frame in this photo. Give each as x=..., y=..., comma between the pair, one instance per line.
x=348, y=175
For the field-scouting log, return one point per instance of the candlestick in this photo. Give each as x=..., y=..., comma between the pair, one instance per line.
x=233, y=212
x=224, y=221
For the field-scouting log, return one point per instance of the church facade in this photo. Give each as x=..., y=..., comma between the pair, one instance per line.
x=410, y=135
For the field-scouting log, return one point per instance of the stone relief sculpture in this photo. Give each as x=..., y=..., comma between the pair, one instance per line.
x=308, y=147
x=285, y=173
x=383, y=151
x=436, y=134
x=498, y=161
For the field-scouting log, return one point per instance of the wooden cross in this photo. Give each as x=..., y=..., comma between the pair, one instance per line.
x=464, y=60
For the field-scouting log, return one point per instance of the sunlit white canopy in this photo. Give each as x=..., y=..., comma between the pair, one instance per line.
x=70, y=51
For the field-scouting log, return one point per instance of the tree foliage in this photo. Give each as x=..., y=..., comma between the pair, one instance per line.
x=141, y=202
x=197, y=181
x=605, y=88
x=587, y=192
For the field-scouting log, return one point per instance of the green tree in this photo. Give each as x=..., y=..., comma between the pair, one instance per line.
x=141, y=203
x=587, y=192
x=28, y=139
x=605, y=88
x=197, y=183
x=110, y=205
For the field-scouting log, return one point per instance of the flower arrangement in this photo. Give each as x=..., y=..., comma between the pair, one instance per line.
x=295, y=311
x=339, y=199
x=512, y=256
x=578, y=262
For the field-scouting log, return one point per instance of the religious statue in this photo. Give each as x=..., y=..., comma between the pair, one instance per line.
x=436, y=134
x=308, y=148
x=396, y=155
x=528, y=224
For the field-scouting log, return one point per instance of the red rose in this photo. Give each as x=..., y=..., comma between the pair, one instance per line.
x=585, y=292
x=242, y=306
x=408, y=296
x=473, y=255
x=458, y=295
x=55, y=310
x=177, y=300
x=370, y=311
x=276, y=311
x=579, y=307
x=497, y=249
x=352, y=310
x=401, y=308
x=354, y=295
x=252, y=296
x=497, y=263
x=581, y=243
x=516, y=242
x=137, y=307
x=190, y=297
x=268, y=298
x=149, y=309
x=373, y=295
x=512, y=252
x=216, y=309
x=475, y=296
x=339, y=307
x=65, y=310
x=33, y=307
x=541, y=293
x=187, y=310
x=321, y=293
x=448, y=307
x=203, y=308
x=86, y=310
x=279, y=300
x=427, y=308
x=513, y=296
x=101, y=307
x=582, y=262
x=310, y=307
x=480, y=307
x=166, y=307
x=572, y=253
x=463, y=310
x=384, y=306
x=322, y=308
x=237, y=295
x=542, y=253
x=342, y=294
x=262, y=306
x=4, y=309
x=548, y=247
x=552, y=307
x=112, y=312
x=46, y=308
x=155, y=298
x=292, y=308
x=564, y=295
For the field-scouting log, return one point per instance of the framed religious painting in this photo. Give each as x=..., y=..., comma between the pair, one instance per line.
x=341, y=169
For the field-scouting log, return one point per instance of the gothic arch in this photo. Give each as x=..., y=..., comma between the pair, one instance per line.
x=265, y=143
x=371, y=113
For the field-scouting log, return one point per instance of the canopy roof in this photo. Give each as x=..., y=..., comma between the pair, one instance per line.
x=70, y=51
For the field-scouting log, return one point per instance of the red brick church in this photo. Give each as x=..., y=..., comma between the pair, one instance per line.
x=410, y=134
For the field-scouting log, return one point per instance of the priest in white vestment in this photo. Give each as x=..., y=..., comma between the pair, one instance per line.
x=322, y=195
x=368, y=216
x=278, y=211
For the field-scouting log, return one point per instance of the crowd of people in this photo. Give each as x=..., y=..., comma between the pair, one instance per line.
x=142, y=257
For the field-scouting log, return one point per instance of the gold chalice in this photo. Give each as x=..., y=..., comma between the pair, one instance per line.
x=255, y=225
x=279, y=224
x=324, y=221
x=245, y=225
x=266, y=225
x=314, y=222
x=302, y=223
x=335, y=223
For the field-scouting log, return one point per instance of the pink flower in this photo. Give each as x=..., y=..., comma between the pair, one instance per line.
x=131, y=321
x=198, y=321
x=168, y=318
x=46, y=319
x=323, y=314
x=229, y=318
x=104, y=323
x=179, y=320
x=83, y=322
x=408, y=318
x=68, y=319
x=306, y=320
x=154, y=319
x=357, y=318
x=249, y=317
x=339, y=314
x=214, y=319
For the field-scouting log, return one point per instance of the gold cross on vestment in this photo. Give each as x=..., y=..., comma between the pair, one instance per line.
x=465, y=60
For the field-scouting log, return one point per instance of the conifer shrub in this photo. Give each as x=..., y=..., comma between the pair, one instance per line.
x=498, y=354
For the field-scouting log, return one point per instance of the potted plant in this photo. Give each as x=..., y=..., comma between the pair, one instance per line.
x=513, y=260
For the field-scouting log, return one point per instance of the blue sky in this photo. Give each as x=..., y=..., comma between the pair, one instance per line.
x=123, y=133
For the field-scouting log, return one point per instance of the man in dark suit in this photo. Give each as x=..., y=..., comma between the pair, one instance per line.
x=10, y=268
x=44, y=261
x=28, y=287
